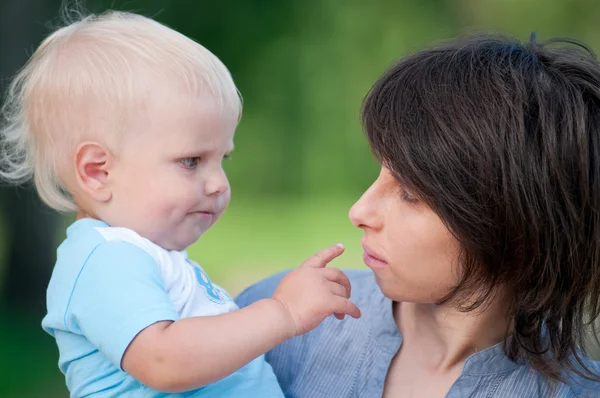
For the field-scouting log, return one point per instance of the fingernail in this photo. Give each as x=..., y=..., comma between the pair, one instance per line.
x=339, y=245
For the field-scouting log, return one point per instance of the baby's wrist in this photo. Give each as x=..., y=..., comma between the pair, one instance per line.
x=285, y=318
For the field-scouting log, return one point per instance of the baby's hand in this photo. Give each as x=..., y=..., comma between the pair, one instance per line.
x=311, y=292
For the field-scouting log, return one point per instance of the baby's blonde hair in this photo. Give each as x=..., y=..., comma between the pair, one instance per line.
x=86, y=78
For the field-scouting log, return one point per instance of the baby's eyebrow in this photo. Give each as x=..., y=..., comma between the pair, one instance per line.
x=201, y=152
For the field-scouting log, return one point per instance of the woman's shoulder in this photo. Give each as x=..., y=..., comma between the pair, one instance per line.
x=376, y=318
x=375, y=330
x=527, y=381
x=582, y=386
x=338, y=357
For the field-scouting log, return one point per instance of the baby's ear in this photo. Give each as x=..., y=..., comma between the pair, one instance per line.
x=92, y=163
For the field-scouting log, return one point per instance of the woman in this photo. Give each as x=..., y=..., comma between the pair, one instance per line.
x=482, y=232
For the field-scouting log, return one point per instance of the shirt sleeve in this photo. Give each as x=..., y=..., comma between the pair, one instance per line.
x=118, y=293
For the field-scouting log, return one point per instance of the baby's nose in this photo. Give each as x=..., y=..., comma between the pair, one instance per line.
x=216, y=184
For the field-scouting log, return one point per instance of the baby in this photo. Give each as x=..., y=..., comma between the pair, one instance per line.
x=126, y=122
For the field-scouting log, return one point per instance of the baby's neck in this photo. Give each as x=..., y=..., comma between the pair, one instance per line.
x=84, y=214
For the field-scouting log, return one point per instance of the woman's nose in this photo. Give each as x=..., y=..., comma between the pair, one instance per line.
x=363, y=213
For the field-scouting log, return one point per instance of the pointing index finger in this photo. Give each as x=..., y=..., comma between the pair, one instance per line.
x=322, y=258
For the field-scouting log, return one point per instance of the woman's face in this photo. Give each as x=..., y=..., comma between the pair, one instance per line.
x=411, y=252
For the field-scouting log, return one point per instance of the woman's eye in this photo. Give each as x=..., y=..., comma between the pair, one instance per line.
x=409, y=197
x=189, y=163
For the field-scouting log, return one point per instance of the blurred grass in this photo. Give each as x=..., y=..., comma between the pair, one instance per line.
x=253, y=239
x=28, y=368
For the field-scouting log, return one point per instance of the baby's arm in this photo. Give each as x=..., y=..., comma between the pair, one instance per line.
x=193, y=352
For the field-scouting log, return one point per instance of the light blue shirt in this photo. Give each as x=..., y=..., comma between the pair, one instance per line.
x=351, y=358
x=104, y=292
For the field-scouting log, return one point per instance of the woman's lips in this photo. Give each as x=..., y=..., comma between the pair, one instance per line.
x=371, y=260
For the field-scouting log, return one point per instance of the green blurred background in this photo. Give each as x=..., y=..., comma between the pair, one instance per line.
x=303, y=67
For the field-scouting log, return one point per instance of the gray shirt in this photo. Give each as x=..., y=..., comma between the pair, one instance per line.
x=350, y=358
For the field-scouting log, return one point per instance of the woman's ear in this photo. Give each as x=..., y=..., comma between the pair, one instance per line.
x=93, y=164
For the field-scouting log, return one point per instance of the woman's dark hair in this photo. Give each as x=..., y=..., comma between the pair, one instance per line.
x=502, y=141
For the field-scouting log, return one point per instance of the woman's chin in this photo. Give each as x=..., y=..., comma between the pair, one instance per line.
x=398, y=292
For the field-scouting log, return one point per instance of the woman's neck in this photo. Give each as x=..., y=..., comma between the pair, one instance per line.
x=447, y=336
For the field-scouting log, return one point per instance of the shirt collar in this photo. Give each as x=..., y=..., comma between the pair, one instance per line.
x=489, y=361
x=84, y=223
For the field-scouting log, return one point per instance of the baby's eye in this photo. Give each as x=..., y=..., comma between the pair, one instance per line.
x=189, y=163
x=227, y=157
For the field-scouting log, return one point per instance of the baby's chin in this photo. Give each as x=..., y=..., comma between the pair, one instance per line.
x=181, y=242
x=178, y=244
x=184, y=234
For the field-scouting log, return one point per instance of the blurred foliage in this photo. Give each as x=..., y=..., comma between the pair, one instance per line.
x=303, y=68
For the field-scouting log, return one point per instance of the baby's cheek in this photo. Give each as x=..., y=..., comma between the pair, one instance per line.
x=226, y=197
x=186, y=199
x=222, y=203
